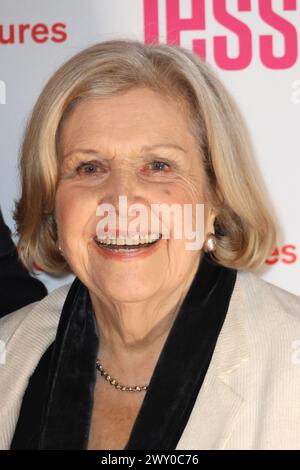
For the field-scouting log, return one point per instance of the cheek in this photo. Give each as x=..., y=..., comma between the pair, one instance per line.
x=188, y=189
x=167, y=192
x=73, y=209
x=184, y=197
x=181, y=194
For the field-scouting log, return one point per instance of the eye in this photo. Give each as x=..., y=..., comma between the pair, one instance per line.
x=88, y=168
x=159, y=166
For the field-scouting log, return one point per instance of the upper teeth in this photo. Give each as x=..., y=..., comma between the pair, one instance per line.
x=134, y=239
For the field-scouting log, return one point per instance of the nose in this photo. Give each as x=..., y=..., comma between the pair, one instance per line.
x=121, y=183
x=123, y=189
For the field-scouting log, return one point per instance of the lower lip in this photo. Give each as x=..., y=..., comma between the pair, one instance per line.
x=130, y=255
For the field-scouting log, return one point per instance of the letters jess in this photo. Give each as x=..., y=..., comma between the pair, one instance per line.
x=268, y=55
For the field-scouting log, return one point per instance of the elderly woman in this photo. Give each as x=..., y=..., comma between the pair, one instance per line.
x=154, y=345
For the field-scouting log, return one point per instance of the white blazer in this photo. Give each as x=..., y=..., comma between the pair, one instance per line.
x=250, y=398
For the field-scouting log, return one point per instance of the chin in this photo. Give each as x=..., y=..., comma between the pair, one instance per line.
x=127, y=291
x=128, y=298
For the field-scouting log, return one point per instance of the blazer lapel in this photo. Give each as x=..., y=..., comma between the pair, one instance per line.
x=220, y=400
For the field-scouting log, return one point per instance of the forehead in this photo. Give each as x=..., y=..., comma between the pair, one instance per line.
x=137, y=117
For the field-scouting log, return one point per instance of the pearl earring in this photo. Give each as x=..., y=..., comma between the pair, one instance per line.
x=210, y=243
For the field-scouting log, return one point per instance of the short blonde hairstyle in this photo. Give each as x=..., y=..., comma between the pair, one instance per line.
x=245, y=226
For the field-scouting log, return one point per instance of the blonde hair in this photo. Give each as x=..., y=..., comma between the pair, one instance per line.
x=245, y=226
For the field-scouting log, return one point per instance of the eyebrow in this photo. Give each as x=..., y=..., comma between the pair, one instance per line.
x=145, y=148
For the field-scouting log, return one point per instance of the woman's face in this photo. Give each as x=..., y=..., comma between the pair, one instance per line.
x=109, y=147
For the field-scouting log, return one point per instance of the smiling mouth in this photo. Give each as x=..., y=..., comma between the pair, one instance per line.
x=125, y=248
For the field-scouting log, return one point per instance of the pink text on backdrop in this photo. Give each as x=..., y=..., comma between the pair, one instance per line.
x=175, y=25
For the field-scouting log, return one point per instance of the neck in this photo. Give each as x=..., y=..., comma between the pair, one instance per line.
x=132, y=335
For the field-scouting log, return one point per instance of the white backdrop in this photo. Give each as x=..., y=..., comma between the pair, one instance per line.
x=254, y=45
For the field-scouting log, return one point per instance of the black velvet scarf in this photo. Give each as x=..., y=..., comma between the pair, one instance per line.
x=57, y=405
